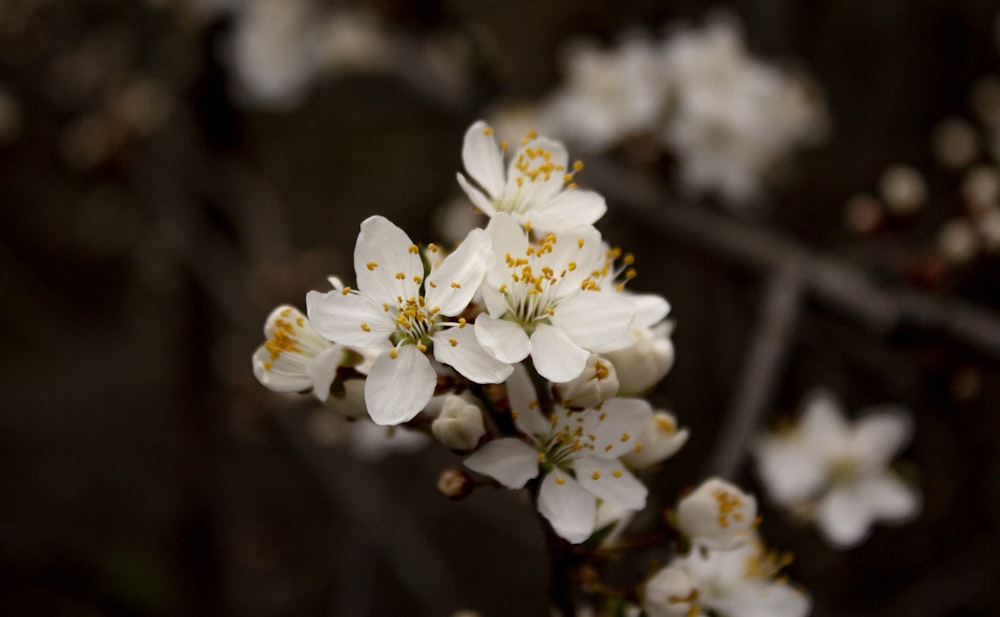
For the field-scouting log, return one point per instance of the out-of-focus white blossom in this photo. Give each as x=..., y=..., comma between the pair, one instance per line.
x=837, y=470
x=903, y=189
x=597, y=383
x=577, y=453
x=295, y=358
x=609, y=94
x=671, y=593
x=957, y=241
x=646, y=361
x=734, y=118
x=537, y=187
x=460, y=425
x=396, y=306
x=743, y=582
x=660, y=440
x=717, y=515
x=543, y=300
x=955, y=143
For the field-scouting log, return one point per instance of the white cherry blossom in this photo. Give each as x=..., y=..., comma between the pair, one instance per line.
x=397, y=310
x=295, y=358
x=536, y=189
x=577, y=454
x=743, y=582
x=717, y=515
x=660, y=440
x=543, y=300
x=838, y=471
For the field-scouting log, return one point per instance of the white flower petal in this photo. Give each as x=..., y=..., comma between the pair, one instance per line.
x=451, y=286
x=507, y=236
x=593, y=319
x=617, y=426
x=889, y=497
x=322, y=370
x=823, y=424
x=459, y=348
x=844, y=516
x=570, y=208
x=556, y=357
x=650, y=309
x=771, y=600
x=791, y=472
x=482, y=158
x=509, y=461
x=535, y=188
x=524, y=404
x=351, y=319
x=570, y=509
x=505, y=340
x=278, y=377
x=383, y=252
x=398, y=388
x=477, y=197
x=610, y=481
x=880, y=435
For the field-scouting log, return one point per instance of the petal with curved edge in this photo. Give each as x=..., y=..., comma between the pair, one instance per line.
x=476, y=196
x=791, y=472
x=351, y=319
x=505, y=340
x=460, y=349
x=889, y=497
x=844, y=516
x=398, y=388
x=506, y=237
x=823, y=424
x=880, y=434
x=451, y=286
x=509, y=461
x=322, y=370
x=570, y=509
x=556, y=357
x=595, y=319
x=385, y=262
x=650, y=309
x=483, y=159
x=568, y=209
x=524, y=404
x=278, y=376
x=617, y=426
x=610, y=481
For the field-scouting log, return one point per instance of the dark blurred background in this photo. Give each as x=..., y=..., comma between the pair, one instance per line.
x=152, y=214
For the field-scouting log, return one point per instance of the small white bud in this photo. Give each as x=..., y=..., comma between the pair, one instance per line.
x=957, y=241
x=670, y=593
x=597, y=383
x=660, y=440
x=646, y=361
x=459, y=426
x=717, y=515
x=903, y=189
x=349, y=402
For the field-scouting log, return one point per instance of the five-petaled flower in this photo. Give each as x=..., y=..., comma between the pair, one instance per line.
x=577, y=453
x=537, y=188
x=409, y=315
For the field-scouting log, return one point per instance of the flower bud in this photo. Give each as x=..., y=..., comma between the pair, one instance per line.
x=646, y=361
x=660, y=439
x=459, y=426
x=455, y=483
x=717, y=515
x=670, y=593
x=349, y=399
x=597, y=383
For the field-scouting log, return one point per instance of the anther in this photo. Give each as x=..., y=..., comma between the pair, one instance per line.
x=345, y=290
x=393, y=353
x=371, y=265
x=414, y=249
x=452, y=342
x=365, y=327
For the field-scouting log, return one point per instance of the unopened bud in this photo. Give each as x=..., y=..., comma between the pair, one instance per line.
x=717, y=515
x=455, y=483
x=349, y=399
x=459, y=426
x=597, y=383
x=660, y=440
x=640, y=366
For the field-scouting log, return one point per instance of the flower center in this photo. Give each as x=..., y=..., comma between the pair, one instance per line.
x=415, y=322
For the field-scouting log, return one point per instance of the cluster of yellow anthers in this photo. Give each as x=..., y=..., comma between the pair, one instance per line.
x=536, y=164
x=283, y=338
x=729, y=505
x=765, y=564
x=610, y=256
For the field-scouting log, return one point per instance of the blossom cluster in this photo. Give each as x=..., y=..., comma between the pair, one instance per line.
x=730, y=119
x=523, y=350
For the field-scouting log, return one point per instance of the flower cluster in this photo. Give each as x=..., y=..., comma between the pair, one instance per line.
x=523, y=351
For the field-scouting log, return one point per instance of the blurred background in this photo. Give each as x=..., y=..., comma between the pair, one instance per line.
x=172, y=170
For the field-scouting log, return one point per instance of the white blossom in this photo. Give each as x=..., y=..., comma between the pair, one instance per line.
x=460, y=425
x=660, y=440
x=838, y=470
x=396, y=305
x=295, y=358
x=742, y=582
x=576, y=453
x=537, y=187
x=610, y=94
x=543, y=300
x=671, y=593
x=717, y=515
